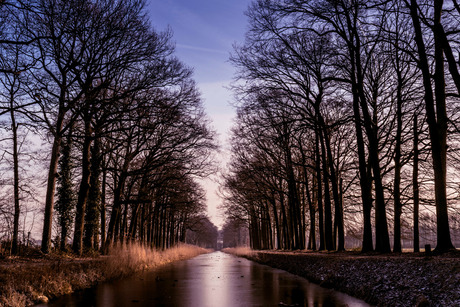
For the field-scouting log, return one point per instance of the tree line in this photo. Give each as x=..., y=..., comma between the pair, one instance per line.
x=122, y=115
x=347, y=123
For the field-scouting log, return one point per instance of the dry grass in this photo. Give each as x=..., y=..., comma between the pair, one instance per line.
x=241, y=251
x=125, y=260
x=27, y=283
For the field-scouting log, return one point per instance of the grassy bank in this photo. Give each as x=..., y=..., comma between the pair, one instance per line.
x=382, y=280
x=25, y=282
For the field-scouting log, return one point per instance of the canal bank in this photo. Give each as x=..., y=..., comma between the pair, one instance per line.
x=28, y=281
x=209, y=280
x=382, y=280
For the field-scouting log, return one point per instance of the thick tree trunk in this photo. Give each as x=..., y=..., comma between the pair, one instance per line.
x=94, y=199
x=83, y=192
x=436, y=119
x=51, y=186
x=364, y=177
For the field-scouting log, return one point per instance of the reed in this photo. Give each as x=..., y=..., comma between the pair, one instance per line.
x=129, y=258
x=239, y=251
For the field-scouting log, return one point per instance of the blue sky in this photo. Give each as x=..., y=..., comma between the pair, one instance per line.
x=204, y=33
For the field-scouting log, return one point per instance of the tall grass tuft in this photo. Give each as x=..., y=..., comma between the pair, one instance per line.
x=126, y=259
x=240, y=251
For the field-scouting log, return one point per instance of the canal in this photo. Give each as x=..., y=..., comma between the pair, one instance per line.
x=215, y=280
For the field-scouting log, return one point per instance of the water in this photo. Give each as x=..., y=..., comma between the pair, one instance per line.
x=210, y=280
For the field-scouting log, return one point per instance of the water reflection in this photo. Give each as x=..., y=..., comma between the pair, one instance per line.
x=215, y=279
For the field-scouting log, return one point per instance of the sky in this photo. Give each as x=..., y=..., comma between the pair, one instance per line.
x=204, y=32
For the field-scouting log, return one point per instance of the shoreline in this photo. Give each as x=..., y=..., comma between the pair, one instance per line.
x=26, y=282
x=381, y=280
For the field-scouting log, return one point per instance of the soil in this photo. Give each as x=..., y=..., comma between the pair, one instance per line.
x=408, y=279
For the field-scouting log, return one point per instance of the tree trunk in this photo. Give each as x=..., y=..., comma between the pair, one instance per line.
x=17, y=208
x=103, y=205
x=312, y=234
x=51, y=185
x=437, y=120
x=382, y=239
x=94, y=198
x=83, y=191
x=338, y=213
x=364, y=178
x=275, y=216
x=319, y=195
x=415, y=187
x=397, y=160
x=327, y=197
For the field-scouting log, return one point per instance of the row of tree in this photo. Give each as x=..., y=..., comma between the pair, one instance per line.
x=128, y=134
x=347, y=114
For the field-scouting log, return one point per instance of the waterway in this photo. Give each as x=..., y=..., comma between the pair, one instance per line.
x=210, y=280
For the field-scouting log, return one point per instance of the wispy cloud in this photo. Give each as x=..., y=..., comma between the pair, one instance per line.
x=201, y=49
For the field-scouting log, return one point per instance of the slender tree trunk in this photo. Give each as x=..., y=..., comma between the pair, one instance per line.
x=275, y=216
x=17, y=208
x=397, y=160
x=338, y=213
x=293, y=202
x=312, y=234
x=115, y=215
x=319, y=194
x=286, y=233
x=382, y=239
x=103, y=205
x=327, y=198
x=415, y=187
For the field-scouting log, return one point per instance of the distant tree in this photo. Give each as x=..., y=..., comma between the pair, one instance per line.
x=14, y=66
x=202, y=232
